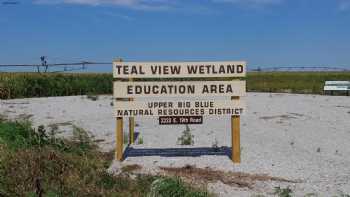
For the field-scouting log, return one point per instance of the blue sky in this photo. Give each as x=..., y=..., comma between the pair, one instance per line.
x=261, y=32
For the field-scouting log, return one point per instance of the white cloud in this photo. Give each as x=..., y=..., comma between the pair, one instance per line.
x=134, y=4
x=250, y=2
x=194, y=5
x=160, y=4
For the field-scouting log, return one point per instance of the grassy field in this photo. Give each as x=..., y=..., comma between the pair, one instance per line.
x=36, y=163
x=24, y=85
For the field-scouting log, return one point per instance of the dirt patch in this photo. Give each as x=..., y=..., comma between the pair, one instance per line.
x=131, y=168
x=208, y=175
x=283, y=117
x=99, y=140
x=24, y=116
x=296, y=114
x=342, y=106
x=3, y=117
x=9, y=111
x=285, y=91
x=15, y=103
x=55, y=125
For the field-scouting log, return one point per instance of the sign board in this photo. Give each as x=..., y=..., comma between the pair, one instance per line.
x=178, y=88
x=125, y=70
x=178, y=108
x=148, y=86
x=169, y=120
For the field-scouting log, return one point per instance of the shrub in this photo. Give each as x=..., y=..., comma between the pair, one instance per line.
x=33, y=163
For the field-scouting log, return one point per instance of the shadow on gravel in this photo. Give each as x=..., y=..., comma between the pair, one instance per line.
x=177, y=152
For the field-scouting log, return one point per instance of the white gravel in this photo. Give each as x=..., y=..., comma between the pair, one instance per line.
x=299, y=137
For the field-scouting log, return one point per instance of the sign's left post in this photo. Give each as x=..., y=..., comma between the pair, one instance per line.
x=119, y=133
x=119, y=139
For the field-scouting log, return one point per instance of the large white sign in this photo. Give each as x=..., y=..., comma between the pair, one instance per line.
x=178, y=69
x=178, y=88
x=178, y=108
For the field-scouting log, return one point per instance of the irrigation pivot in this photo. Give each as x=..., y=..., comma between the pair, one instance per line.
x=67, y=66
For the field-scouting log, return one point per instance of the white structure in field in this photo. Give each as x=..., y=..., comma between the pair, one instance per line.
x=337, y=86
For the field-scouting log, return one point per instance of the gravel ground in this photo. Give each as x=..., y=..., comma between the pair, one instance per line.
x=291, y=136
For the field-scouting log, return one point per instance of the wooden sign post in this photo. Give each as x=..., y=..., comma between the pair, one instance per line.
x=236, y=137
x=185, y=111
x=119, y=139
x=120, y=133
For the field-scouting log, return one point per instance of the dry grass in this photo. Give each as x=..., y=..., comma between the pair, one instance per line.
x=207, y=175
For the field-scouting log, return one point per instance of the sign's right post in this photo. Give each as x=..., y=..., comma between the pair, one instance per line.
x=236, y=137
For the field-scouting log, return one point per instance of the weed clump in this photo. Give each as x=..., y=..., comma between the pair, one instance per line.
x=215, y=145
x=92, y=97
x=283, y=192
x=186, y=138
x=164, y=187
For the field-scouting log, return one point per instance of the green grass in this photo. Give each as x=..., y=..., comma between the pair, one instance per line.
x=35, y=163
x=24, y=85
x=17, y=135
x=164, y=187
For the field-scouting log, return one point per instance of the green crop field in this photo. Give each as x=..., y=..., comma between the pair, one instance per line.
x=24, y=85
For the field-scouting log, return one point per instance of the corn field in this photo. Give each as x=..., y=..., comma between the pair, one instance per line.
x=25, y=85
